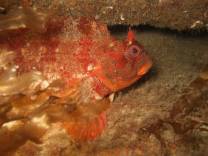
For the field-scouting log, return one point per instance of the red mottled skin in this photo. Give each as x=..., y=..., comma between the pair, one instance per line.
x=83, y=55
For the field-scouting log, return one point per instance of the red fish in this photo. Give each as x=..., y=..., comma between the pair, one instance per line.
x=76, y=61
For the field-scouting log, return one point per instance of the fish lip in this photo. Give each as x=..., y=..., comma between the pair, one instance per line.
x=145, y=67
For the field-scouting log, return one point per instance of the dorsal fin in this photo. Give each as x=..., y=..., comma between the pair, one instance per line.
x=131, y=36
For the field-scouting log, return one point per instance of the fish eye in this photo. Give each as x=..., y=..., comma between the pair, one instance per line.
x=134, y=50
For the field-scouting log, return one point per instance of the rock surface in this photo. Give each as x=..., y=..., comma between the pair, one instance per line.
x=173, y=14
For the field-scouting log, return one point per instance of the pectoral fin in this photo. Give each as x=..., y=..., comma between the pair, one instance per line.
x=81, y=121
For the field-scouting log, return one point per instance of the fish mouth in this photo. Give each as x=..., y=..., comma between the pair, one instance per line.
x=144, y=68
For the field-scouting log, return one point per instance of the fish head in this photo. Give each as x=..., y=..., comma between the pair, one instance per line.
x=122, y=63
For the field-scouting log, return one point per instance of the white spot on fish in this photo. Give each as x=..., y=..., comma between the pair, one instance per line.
x=79, y=75
x=90, y=67
x=97, y=96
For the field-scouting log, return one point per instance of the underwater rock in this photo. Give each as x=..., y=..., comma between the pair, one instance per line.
x=173, y=14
